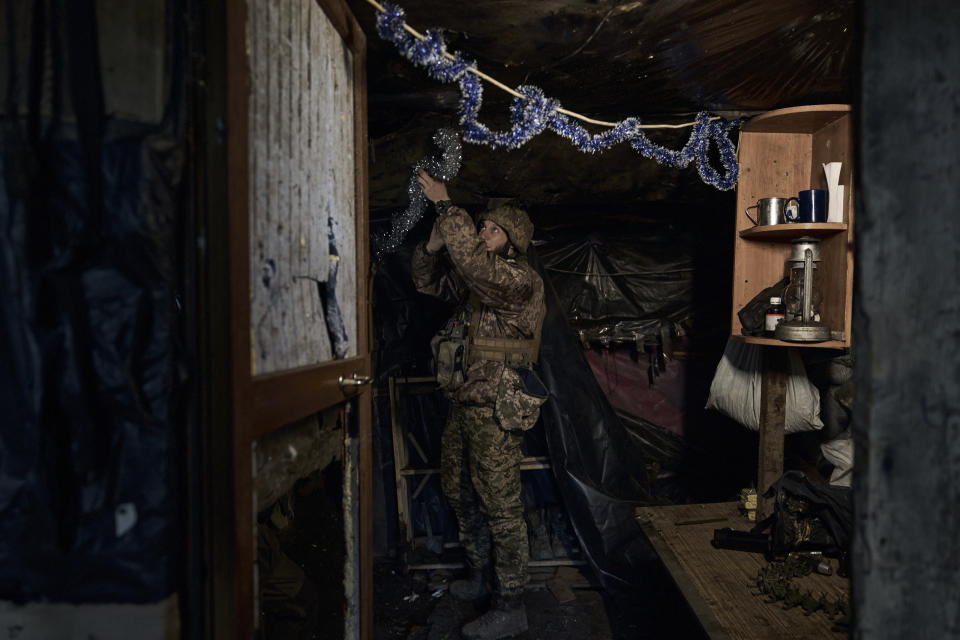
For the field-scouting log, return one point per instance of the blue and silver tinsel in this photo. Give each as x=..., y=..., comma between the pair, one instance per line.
x=442, y=166
x=533, y=113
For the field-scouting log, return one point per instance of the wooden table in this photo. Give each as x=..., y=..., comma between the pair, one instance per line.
x=719, y=584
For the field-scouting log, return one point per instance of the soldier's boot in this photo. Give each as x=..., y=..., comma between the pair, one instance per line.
x=507, y=618
x=471, y=588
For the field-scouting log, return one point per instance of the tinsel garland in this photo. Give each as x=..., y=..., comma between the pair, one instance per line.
x=442, y=166
x=533, y=113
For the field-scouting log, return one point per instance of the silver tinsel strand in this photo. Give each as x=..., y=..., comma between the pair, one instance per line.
x=443, y=167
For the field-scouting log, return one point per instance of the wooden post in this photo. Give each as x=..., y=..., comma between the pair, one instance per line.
x=773, y=417
x=399, y=463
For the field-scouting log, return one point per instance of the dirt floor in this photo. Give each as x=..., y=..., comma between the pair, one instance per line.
x=563, y=603
x=564, y=600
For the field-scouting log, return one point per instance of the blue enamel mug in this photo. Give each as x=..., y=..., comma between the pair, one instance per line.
x=812, y=207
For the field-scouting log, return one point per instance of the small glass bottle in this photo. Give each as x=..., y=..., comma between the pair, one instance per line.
x=773, y=316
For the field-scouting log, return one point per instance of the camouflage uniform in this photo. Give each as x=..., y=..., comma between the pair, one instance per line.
x=480, y=461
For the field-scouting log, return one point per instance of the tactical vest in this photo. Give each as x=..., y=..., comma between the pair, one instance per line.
x=513, y=352
x=457, y=346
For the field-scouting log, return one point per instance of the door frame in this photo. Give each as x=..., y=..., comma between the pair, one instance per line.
x=263, y=403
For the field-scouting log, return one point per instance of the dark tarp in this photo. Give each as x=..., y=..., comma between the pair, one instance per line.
x=621, y=287
x=644, y=276
x=89, y=327
x=600, y=469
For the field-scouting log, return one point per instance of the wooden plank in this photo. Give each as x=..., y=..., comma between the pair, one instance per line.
x=276, y=339
x=280, y=398
x=238, y=171
x=399, y=462
x=365, y=421
x=289, y=333
x=301, y=289
x=313, y=326
x=685, y=584
x=259, y=119
x=314, y=248
x=718, y=583
x=318, y=199
x=342, y=20
x=805, y=119
x=829, y=344
x=793, y=230
x=263, y=297
x=325, y=101
x=341, y=129
x=357, y=42
x=773, y=419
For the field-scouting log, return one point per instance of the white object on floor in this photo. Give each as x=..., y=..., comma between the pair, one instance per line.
x=839, y=452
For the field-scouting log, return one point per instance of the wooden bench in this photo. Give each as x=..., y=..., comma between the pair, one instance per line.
x=720, y=584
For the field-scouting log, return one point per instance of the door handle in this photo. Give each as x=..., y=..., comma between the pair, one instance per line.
x=354, y=380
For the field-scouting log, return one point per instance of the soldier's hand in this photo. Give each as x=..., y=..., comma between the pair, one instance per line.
x=435, y=243
x=432, y=188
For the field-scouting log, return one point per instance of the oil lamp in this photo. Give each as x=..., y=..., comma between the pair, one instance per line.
x=802, y=297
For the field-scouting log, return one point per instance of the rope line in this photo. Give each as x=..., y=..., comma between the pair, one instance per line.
x=515, y=93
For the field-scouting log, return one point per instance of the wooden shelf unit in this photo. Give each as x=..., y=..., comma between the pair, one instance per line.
x=781, y=153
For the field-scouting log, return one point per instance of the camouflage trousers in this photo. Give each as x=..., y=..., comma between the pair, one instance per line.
x=480, y=473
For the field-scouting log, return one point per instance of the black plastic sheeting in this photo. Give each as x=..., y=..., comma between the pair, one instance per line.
x=600, y=468
x=631, y=283
x=92, y=370
x=619, y=289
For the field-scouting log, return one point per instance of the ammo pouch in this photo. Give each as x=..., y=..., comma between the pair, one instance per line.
x=520, y=392
x=519, y=397
x=450, y=349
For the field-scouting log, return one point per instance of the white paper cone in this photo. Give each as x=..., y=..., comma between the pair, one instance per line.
x=834, y=191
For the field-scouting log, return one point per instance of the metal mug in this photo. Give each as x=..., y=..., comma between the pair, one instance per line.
x=812, y=206
x=769, y=211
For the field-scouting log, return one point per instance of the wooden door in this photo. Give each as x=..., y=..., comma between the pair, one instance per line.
x=296, y=148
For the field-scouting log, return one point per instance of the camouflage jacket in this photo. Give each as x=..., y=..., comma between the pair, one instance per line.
x=509, y=290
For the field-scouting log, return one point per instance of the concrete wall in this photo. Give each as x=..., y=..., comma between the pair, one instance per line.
x=907, y=324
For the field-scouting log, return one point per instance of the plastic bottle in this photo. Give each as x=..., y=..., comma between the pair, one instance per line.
x=773, y=316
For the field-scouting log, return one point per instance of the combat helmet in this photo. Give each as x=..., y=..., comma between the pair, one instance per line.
x=515, y=222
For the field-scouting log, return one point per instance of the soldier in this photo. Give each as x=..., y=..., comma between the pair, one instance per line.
x=484, y=358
